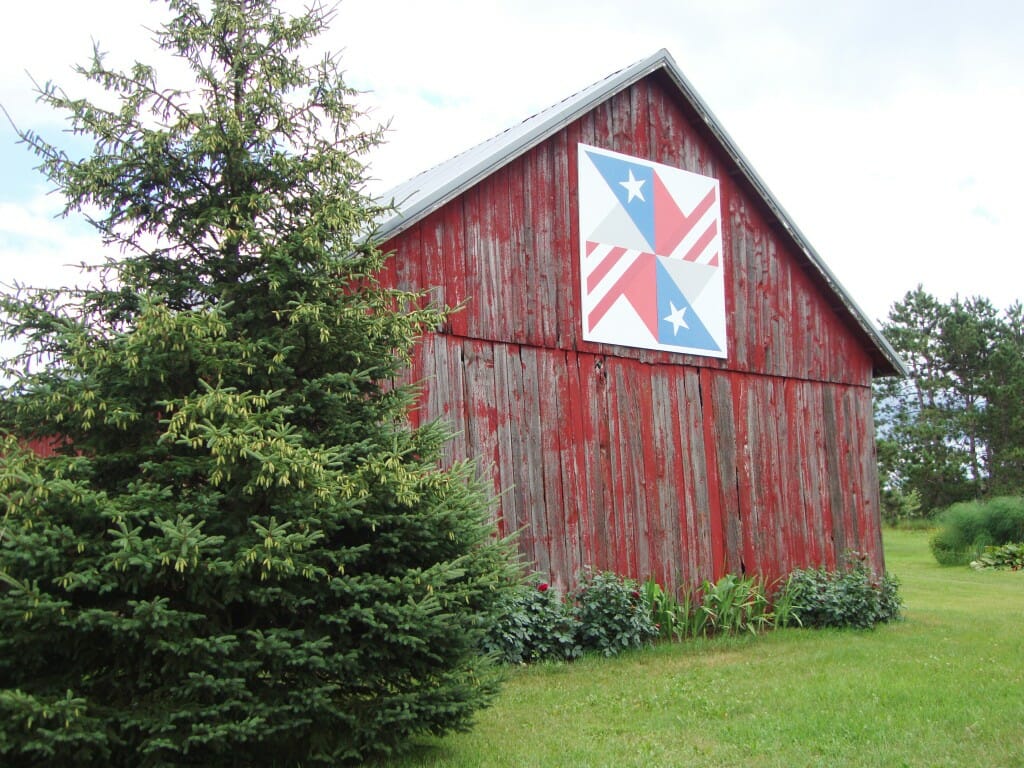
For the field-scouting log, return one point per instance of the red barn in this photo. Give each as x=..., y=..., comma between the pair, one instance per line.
x=656, y=371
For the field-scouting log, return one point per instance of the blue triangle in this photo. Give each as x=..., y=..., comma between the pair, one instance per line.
x=672, y=302
x=640, y=209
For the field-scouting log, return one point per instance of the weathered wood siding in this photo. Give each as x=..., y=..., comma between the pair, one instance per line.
x=43, y=446
x=640, y=461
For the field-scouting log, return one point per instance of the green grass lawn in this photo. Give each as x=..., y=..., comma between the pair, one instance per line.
x=942, y=688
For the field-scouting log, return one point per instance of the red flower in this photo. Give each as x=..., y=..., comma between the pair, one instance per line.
x=542, y=587
x=636, y=595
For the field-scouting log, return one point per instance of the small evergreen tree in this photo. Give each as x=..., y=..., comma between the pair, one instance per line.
x=241, y=554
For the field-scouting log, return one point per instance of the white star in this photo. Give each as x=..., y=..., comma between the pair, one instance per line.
x=676, y=318
x=633, y=187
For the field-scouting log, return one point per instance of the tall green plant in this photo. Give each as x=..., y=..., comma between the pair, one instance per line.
x=735, y=604
x=243, y=555
x=667, y=615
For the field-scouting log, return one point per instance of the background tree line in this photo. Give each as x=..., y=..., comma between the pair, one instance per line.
x=954, y=429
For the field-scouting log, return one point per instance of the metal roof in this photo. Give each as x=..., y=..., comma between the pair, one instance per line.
x=425, y=193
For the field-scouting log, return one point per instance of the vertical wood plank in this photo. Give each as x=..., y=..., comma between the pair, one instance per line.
x=705, y=542
x=665, y=475
x=573, y=439
x=552, y=425
x=600, y=470
x=562, y=289
x=729, y=453
x=482, y=412
x=456, y=261
x=508, y=401
x=531, y=452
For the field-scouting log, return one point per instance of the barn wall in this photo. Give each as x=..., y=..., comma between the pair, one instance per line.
x=644, y=462
x=43, y=446
x=678, y=472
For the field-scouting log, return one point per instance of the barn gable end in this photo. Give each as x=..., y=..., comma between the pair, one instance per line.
x=642, y=461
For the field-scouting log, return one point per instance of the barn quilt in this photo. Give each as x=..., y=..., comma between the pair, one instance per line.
x=651, y=261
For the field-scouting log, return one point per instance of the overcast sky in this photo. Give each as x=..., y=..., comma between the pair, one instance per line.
x=890, y=131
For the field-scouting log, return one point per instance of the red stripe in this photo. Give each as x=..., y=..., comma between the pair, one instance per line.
x=671, y=224
x=698, y=248
x=639, y=285
x=604, y=267
x=591, y=246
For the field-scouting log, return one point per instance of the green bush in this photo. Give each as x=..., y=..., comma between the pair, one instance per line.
x=535, y=624
x=970, y=526
x=612, y=613
x=606, y=613
x=852, y=597
x=899, y=507
x=1009, y=556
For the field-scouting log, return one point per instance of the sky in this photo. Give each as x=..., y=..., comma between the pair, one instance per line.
x=890, y=131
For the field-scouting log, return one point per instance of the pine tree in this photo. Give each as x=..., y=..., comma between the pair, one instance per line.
x=954, y=429
x=240, y=553
x=917, y=449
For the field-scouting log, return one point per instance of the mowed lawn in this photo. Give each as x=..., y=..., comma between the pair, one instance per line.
x=944, y=687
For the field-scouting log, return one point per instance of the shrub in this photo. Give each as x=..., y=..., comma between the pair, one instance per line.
x=605, y=613
x=608, y=613
x=852, y=597
x=535, y=624
x=612, y=613
x=970, y=526
x=995, y=558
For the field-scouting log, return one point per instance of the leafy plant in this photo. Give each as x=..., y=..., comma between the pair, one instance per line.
x=694, y=620
x=534, y=624
x=852, y=597
x=1008, y=556
x=612, y=613
x=667, y=615
x=784, y=612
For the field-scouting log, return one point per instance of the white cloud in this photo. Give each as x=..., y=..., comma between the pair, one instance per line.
x=40, y=250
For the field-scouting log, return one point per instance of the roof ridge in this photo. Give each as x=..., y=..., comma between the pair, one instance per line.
x=433, y=187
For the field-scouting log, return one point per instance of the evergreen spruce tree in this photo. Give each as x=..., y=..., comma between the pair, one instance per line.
x=240, y=554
